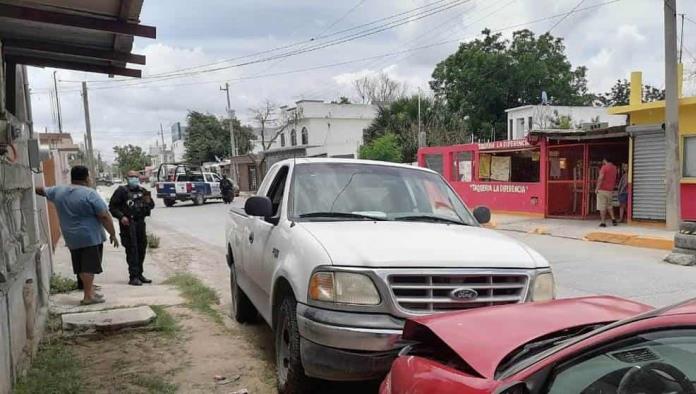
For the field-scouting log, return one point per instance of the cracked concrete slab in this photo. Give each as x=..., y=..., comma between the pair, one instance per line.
x=108, y=320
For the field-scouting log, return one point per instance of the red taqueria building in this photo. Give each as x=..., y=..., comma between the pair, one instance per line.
x=551, y=173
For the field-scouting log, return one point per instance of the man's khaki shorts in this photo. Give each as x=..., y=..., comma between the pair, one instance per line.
x=604, y=200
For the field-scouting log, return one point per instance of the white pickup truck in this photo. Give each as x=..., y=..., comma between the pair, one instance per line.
x=334, y=254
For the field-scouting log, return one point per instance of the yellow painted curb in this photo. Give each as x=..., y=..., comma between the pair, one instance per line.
x=539, y=230
x=640, y=241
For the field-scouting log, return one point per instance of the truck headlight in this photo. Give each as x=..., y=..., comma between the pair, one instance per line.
x=344, y=288
x=544, y=287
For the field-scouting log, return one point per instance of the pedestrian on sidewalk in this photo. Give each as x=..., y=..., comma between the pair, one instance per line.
x=131, y=204
x=623, y=192
x=227, y=189
x=605, y=190
x=82, y=213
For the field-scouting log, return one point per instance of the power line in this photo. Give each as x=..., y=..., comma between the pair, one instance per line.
x=417, y=11
x=539, y=20
x=342, y=17
x=310, y=49
x=566, y=15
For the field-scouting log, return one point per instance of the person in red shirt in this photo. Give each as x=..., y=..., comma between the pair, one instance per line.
x=605, y=189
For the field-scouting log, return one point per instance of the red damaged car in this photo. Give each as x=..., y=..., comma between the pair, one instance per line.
x=590, y=345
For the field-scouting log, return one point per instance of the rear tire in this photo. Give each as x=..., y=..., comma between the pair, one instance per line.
x=243, y=311
x=198, y=199
x=169, y=202
x=291, y=374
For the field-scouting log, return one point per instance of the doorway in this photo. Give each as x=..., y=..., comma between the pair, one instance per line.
x=565, y=188
x=572, y=173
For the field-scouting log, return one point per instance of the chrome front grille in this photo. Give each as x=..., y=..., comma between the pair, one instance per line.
x=424, y=293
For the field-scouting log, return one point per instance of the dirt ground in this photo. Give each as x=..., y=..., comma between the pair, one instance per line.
x=187, y=361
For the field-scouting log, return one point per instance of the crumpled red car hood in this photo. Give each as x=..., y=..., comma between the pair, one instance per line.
x=483, y=337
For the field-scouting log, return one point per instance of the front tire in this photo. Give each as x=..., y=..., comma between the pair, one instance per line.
x=198, y=200
x=169, y=202
x=291, y=375
x=243, y=311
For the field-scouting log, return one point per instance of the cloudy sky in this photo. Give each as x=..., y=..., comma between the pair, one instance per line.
x=610, y=37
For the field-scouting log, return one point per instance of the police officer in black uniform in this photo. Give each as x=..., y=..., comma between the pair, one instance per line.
x=130, y=204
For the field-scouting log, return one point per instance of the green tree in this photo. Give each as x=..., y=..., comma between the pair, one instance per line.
x=209, y=138
x=490, y=74
x=384, y=148
x=341, y=100
x=621, y=91
x=401, y=119
x=130, y=157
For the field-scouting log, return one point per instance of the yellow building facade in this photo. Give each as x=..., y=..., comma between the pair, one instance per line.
x=653, y=113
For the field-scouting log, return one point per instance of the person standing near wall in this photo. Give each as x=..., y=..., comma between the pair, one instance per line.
x=82, y=213
x=605, y=191
x=130, y=204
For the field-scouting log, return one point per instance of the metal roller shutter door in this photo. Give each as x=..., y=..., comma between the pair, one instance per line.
x=649, y=175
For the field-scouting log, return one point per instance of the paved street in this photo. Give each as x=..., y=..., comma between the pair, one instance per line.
x=581, y=267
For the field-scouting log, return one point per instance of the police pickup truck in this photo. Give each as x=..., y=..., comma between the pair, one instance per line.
x=184, y=184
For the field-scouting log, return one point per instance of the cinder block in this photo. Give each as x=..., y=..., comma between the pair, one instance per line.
x=5, y=366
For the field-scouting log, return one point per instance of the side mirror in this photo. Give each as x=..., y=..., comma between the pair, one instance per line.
x=258, y=206
x=514, y=388
x=482, y=214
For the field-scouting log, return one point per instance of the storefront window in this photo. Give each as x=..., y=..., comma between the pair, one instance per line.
x=462, y=166
x=516, y=166
x=689, y=158
x=434, y=162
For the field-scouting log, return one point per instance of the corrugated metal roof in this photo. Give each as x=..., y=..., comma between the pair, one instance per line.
x=85, y=35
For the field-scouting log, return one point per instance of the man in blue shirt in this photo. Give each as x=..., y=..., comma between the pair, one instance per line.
x=82, y=213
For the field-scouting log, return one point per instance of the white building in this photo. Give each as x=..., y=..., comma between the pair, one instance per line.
x=319, y=129
x=178, y=151
x=520, y=120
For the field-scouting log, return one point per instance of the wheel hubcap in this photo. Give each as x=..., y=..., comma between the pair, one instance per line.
x=283, y=350
x=233, y=293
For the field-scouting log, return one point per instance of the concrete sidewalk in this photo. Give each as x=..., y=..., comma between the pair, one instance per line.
x=651, y=236
x=114, y=284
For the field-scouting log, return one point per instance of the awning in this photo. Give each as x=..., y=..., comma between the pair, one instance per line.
x=580, y=135
x=83, y=35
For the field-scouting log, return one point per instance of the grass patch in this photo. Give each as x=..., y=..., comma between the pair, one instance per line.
x=55, y=369
x=199, y=296
x=165, y=322
x=153, y=241
x=61, y=284
x=153, y=384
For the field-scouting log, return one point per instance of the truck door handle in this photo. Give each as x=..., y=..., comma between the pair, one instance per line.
x=251, y=238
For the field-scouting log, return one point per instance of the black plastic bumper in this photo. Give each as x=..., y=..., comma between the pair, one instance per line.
x=343, y=365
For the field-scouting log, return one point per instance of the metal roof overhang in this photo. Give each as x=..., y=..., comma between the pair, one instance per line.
x=82, y=35
x=581, y=135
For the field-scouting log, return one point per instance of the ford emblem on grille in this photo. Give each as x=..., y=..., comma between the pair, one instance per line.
x=464, y=294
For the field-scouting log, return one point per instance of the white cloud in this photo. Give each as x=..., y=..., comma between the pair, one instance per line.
x=611, y=41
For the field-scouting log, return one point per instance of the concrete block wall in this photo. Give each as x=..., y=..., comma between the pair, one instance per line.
x=25, y=256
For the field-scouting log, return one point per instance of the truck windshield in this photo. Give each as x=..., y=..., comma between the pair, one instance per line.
x=351, y=191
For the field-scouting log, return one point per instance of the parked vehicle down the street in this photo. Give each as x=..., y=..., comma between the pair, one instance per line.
x=335, y=254
x=582, y=345
x=180, y=182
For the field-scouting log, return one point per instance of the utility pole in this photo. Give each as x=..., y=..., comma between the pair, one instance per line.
x=421, y=135
x=60, y=119
x=88, y=129
x=672, y=163
x=230, y=115
x=164, y=147
x=681, y=38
